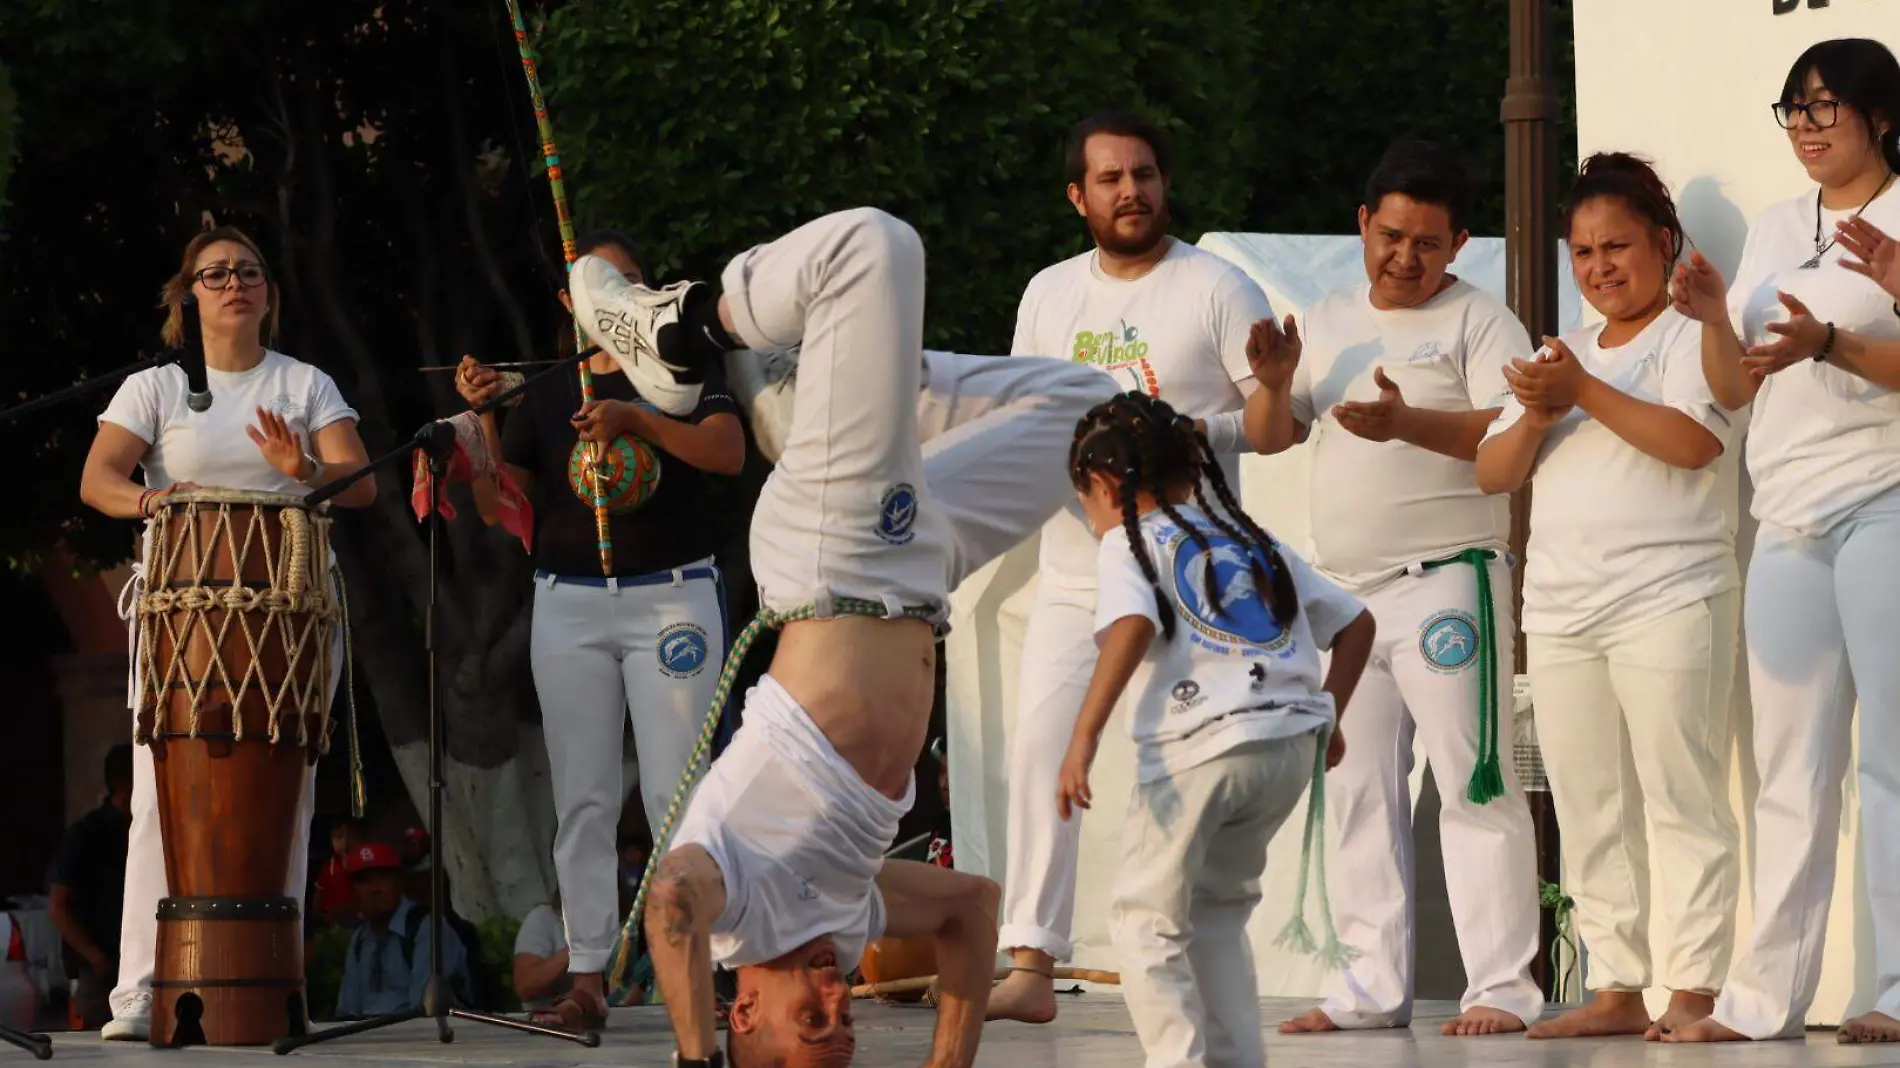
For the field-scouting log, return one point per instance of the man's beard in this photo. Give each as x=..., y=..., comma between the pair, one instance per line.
x=1112, y=242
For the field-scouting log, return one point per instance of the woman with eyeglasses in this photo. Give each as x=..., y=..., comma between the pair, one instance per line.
x=1808, y=341
x=275, y=425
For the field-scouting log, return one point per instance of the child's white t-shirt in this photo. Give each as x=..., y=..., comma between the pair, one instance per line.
x=1231, y=674
x=212, y=447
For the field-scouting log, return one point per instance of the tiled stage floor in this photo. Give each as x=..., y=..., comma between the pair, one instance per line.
x=1093, y=1032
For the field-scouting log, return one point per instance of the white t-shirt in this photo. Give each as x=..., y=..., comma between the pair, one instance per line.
x=543, y=935
x=1618, y=536
x=798, y=836
x=1231, y=674
x=1178, y=332
x=212, y=448
x=1823, y=440
x=1381, y=507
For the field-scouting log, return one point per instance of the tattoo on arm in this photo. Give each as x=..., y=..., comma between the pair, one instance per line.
x=679, y=912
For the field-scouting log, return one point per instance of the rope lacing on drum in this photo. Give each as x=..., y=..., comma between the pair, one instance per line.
x=292, y=608
x=728, y=675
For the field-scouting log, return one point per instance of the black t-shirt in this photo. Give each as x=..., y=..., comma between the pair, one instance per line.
x=91, y=863
x=675, y=526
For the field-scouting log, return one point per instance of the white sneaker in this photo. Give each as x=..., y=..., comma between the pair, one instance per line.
x=764, y=384
x=131, y=1021
x=625, y=320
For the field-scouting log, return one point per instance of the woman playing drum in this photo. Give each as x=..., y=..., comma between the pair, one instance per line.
x=300, y=434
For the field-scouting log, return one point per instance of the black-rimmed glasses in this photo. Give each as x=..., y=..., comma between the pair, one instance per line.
x=248, y=275
x=1822, y=113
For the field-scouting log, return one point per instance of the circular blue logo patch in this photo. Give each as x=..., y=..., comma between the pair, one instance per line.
x=682, y=650
x=897, y=517
x=1449, y=640
x=1241, y=616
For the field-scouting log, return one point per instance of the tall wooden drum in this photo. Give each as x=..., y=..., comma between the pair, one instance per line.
x=234, y=664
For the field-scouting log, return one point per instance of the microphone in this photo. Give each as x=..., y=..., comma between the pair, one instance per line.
x=198, y=391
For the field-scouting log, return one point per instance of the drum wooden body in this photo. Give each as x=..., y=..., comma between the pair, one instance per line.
x=234, y=668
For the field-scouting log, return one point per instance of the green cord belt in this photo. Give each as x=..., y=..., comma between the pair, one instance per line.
x=623, y=960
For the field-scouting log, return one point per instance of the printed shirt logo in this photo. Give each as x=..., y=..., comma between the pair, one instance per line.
x=1186, y=694
x=1448, y=641
x=897, y=516
x=285, y=405
x=1258, y=673
x=1241, y=624
x=682, y=650
x=1431, y=350
x=1121, y=353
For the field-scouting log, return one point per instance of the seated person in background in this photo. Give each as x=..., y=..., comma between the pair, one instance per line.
x=335, y=902
x=541, y=959
x=89, y=891
x=387, y=965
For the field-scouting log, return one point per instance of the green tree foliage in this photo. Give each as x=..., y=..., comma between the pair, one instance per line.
x=9, y=122
x=706, y=128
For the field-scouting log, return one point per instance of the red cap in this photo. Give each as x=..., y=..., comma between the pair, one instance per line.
x=416, y=834
x=372, y=857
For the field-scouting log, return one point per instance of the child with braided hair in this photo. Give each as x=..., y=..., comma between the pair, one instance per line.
x=1231, y=707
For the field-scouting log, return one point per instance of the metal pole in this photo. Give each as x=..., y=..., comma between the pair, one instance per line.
x=1530, y=178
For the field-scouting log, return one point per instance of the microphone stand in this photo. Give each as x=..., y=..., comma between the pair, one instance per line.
x=38, y=1045
x=20, y=411
x=437, y=441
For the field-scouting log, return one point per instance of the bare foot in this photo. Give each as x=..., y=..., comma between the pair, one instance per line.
x=1024, y=996
x=1705, y=1030
x=1608, y=1012
x=1482, y=1020
x=1871, y=1027
x=1685, y=1007
x=1312, y=1022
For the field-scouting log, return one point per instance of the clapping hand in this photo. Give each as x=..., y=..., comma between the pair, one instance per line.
x=1379, y=420
x=1801, y=337
x=1697, y=290
x=1273, y=354
x=281, y=446
x=1549, y=384
x=1879, y=254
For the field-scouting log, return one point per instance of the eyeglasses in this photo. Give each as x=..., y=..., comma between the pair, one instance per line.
x=249, y=276
x=1822, y=113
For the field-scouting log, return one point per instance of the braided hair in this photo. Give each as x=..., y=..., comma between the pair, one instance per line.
x=1142, y=443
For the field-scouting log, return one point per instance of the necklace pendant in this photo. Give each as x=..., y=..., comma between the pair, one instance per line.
x=1813, y=262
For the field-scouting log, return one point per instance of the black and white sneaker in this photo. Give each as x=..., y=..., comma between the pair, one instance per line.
x=641, y=329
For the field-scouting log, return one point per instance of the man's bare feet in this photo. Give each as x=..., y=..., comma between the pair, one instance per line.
x=1705, y=1030
x=1028, y=993
x=1869, y=1027
x=1608, y=1012
x=1482, y=1020
x=1685, y=1007
x=1312, y=1022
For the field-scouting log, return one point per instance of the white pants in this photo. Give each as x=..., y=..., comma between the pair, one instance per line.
x=1820, y=615
x=1195, y=845
x=145, y=879
x=1058, y=661
x=878, y=497
x=647, y=648
x=1489, y=849
x=1635, y=723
